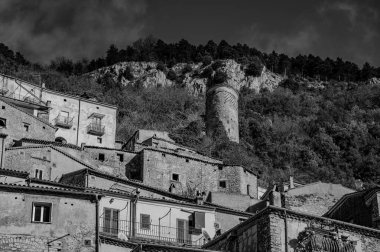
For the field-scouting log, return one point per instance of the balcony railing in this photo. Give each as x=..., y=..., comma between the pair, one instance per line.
x=152, y=233
x=95, y=129
x=64, y=121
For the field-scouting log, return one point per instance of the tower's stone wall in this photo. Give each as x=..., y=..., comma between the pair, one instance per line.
x=222, y=109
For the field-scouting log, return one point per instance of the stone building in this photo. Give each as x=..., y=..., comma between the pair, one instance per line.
x=361, y=208
x=276, y=229
x=78, y=119
x=17, y=124
x=31, y=218
x=160, y=162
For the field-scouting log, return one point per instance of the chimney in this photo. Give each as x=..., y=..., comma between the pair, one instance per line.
x=199, y=200
x=275, y=198
x=291, y=182
x=82, y=145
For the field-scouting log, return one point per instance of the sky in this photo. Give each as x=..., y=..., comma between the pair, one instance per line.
x=45, y=29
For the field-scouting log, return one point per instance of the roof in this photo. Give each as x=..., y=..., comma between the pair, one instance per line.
x=60, y=93
x=45, y=142
x=72, y=193
x=106, y=148
x=129, y=182
x=148, y=247
x=56, y=149
x=35, y=117
x=364, y=193
x=14, y=173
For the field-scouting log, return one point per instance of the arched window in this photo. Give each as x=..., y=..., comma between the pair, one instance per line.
x=3, y=123
x=60, y=140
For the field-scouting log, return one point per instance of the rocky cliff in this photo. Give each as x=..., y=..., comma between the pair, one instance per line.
x=151, y=74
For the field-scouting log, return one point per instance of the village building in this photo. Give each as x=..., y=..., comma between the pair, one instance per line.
x=77, y=119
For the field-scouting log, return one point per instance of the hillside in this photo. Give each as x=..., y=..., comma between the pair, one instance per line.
x=317, y=130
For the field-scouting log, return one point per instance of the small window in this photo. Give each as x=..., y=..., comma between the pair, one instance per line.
x=175, y=177
x=99, y=140
x=64, y=100
x=187, y=160
x=38, y=174
x=26, y=127
x=3, y=123
x=163, y=154
x=41, y=212
x=222, y=184
x=145, y=221
x=120, y=157
x=248, y=189
x=101, y=157
x=3, y=107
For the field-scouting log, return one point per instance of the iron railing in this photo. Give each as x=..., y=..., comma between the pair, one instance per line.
x=64, y=121
x=154, y=233
x=95, y=129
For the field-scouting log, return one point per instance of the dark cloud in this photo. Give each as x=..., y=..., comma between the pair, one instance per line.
x=45, y=29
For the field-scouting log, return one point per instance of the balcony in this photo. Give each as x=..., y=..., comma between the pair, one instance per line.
x=64, y=121
x=95, y=129
x=151, y=233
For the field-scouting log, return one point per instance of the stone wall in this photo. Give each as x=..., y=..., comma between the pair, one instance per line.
x=69, y=216
x=16, y=121
x=279, y=228
x=222, y=110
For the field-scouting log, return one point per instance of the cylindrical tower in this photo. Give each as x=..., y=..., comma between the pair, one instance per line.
x=222, y=111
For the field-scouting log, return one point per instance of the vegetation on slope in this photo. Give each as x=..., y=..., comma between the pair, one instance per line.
x=328, y=133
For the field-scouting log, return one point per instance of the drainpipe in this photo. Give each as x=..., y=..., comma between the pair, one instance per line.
x=97, y=223
x=78, y=124
x=286, y=230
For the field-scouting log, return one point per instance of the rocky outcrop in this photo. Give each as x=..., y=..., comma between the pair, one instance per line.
x=148, y=74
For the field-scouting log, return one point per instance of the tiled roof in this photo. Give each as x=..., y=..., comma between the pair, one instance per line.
x=35, y=117
x=227, y=209
x=54, y=183
x=45, y=142
x=14, y=173
x=149, y=245
x=47, y=191
x=106, y=148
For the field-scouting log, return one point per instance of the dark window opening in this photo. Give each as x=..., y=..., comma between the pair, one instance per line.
x=26, y=127
x=222, y=184
x=99, y=140
x=111, y=221
x=3, y=123
x=101, y=157
x=41, y=212
x=120, y=157
x=187, y=160
x=60, y=140
x=175, y=177
x=3, y=107
x=64, y=100
x=144, y=221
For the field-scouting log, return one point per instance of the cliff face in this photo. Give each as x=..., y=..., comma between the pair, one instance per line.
x=148, y=74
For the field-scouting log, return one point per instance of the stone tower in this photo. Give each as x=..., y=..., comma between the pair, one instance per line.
x=222, y=96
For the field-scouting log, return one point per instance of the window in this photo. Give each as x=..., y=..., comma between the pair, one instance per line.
x=120, y=157
x=175, y=177
x=3, y=107
x=111, y=221
x=101, y=157
x=99, y=140
x=38, y=174
x=41, y=212
x=3, y=123
x=144, y=221
x=222, y=184
x=64, y=100
x=187, y=160
x=26, y=127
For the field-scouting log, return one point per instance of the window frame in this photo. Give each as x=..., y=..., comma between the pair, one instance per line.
x=225, y=184
x=120, y=157
x=142, y=225
x=43, y=205
x=104, y=157
x=5, y=123
x=26, y=126
x=177, y=175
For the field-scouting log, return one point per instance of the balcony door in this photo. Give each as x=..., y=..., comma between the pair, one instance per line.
x=111, y=221
x=183, y=231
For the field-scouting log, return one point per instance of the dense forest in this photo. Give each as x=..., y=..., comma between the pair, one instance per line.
x=330, y=132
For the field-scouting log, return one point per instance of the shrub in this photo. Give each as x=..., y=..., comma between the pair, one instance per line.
x=207, y=72
x=171, y=75
x=216, y=65
x=161, y=67
x=220, y=77
x=254, y=68
x=206, y=60
x=187, y=69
